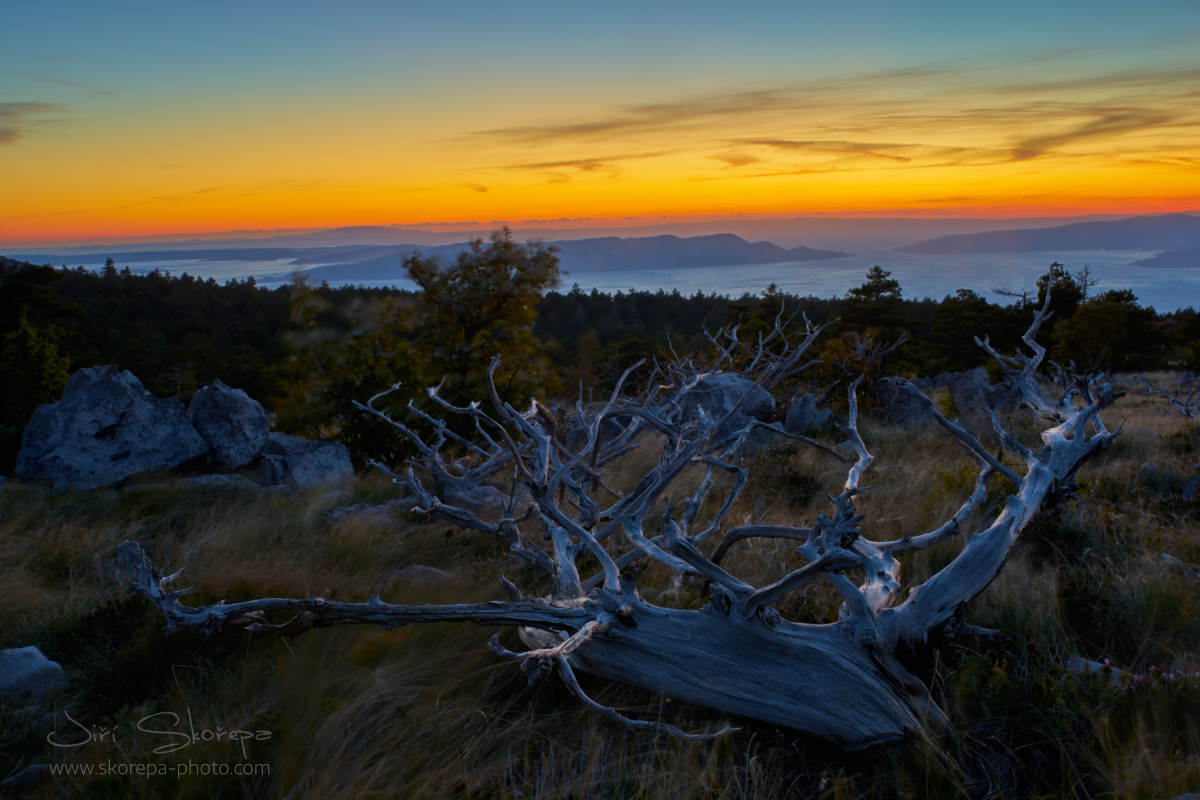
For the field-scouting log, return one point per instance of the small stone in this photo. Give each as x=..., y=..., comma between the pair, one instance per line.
x=420, y=575
x=26, y=674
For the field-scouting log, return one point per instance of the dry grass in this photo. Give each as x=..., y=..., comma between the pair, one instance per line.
x=427, y=711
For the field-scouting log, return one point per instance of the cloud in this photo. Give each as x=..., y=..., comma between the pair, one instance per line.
x=475, y=187
x=969, y=112
x=1114, y=124
x=18, y=120
x=737, y=159
x=585, y=164
x=561, y=171
x=41, y=77
x=862, y=149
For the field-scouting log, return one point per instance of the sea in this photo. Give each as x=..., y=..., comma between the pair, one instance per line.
x=935, y=276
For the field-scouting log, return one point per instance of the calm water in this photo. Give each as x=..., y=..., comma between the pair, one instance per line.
x=919, y=275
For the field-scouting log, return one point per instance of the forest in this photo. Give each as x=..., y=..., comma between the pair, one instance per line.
x=306, y=352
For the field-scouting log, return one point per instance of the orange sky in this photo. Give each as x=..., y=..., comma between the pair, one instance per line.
x=324, y=123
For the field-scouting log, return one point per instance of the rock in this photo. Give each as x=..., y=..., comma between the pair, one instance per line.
x=3, y=483
x=220, y=482
x=1163, y=481
x=901, y=403
x=234, y=426
x=1172, y=564
x=27, y=780
x=1189, y=489
x=106, y=429
x=719, y=394
x=27, y=674
x=370, y=513
x=300, y=463
x=1083, y=666
x=803, y=416
x=336, y=498
x=419, y=575
x=486, y=502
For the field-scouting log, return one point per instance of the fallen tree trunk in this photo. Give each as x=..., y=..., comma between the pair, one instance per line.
x=840, y=681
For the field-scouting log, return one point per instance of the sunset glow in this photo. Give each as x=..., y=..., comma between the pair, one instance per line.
x=142, y=119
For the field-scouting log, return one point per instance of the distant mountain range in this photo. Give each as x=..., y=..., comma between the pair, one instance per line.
x=575, y=256
x=1174, y=233
x=382, y=262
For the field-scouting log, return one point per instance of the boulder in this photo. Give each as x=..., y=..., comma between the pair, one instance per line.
x=234, y=426
x=26, y=674
x=973, y=394
x=300, y=463
x=803, y=416
x=901, y=403
x=719, y=394
x=107, y=428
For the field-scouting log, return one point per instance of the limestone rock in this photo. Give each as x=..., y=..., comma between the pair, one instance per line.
x=719, y=394
x=27, y=674
x=900, y=403
x=106, y=428
x=803, y=416
x=300, y=463
x=234, y=426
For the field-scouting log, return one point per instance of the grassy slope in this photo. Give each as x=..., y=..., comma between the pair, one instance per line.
x=427, y=711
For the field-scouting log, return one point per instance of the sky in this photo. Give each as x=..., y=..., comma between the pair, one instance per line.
x=132, y=118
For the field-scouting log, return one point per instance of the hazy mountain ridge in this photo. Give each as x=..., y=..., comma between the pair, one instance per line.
x=828, y=232
x=586, y=255
x=1169, y=232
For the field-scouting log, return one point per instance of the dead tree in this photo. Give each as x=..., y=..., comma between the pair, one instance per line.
x=843, y=681
x=1184, y=400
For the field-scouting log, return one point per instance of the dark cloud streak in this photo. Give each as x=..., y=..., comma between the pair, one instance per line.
x=18, y=120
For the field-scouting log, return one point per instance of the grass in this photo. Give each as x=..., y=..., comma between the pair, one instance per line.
x=428, y=711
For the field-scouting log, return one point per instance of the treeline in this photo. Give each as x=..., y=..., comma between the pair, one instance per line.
x=308, y=352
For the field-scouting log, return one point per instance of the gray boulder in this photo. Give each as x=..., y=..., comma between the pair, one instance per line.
x=26, y=674
x=106, y=428
x=300, y=463
x=803, y=416
x=719, y=394
x=901, y=403
x=235, y=426
x=973, y=394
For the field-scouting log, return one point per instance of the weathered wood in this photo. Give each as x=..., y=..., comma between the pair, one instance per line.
x=840, y=681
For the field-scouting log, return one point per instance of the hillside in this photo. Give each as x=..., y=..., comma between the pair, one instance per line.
x=581, y=255
x=1168, y=232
